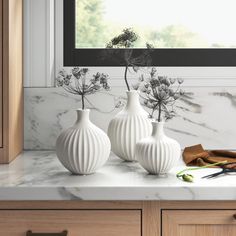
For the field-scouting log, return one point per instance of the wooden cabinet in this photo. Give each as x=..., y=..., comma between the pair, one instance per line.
x=116, y=218
x=198, y=222
x=1, y=76
x=11, y=86
x=75, y=222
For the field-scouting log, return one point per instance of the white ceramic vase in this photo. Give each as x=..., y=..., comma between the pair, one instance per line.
x=158, y=154
x=128, y=127
x=83, y=148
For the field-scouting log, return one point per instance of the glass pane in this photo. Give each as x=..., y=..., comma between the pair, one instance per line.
x=163, y=23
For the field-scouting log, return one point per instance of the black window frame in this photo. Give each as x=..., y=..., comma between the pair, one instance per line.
x=160, y=56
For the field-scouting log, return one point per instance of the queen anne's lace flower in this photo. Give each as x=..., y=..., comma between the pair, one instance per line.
x=76, y=82
x=159, y=94
x=127, y=40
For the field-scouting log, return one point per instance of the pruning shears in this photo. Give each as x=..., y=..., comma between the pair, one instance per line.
x=222, y=172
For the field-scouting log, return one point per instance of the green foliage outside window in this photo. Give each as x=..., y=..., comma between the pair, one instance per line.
x=92, y=31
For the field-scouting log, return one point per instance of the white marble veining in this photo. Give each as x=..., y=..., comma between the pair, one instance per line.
x=206, y=115
x=38, y=175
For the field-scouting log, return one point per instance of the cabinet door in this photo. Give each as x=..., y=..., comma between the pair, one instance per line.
x=198, y=223
x=75, y=222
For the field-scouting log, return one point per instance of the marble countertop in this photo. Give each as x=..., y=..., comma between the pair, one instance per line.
x=38, y=175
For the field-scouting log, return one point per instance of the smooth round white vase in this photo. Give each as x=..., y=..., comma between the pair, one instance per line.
x=83, y=148
x=158, y=153
x=128, y=127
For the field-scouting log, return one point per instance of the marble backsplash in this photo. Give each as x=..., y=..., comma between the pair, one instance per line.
x=207, y=115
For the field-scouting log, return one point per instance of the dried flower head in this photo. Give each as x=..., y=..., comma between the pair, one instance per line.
x=159, y=94
x=76, y=82
x=127, y=40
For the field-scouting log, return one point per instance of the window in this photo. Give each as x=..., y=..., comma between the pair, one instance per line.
x=183, y=32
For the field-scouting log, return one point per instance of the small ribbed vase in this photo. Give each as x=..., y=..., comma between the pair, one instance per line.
x=128, y=127
x=158, y=154
x=83, y=148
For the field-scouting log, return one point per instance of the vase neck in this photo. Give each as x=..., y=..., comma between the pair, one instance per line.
x=82, y=116
x=158, y=129
x=133, y=103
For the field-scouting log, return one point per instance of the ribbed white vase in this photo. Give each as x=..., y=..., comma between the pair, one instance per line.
x=128, y=127
x=83, y=148
x=158, y=153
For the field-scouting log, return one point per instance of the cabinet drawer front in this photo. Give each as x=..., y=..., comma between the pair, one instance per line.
x=76, y=222
x=198, y=222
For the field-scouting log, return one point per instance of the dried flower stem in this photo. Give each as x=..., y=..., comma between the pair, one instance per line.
x=126, y=80
x=83, y=106
x=159, y=112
